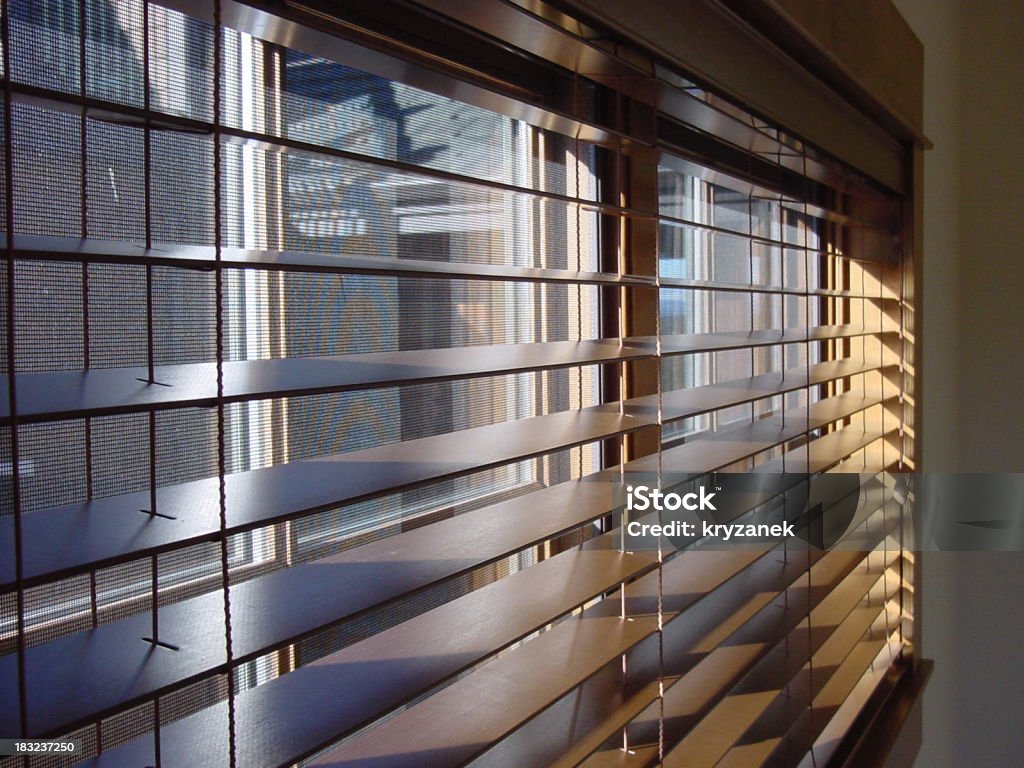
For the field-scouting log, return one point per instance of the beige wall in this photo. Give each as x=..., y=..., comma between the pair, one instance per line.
x=992, y=235
x=973, y=371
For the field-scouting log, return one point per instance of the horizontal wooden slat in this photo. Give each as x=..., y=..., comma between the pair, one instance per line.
x=878, y=674
x=879, y=456
x=495, y=699
x=61, y=541
x=76, y=537
x=691, y=576
x=107, y=111
x=747, y=755
x=718, y=663
x=683, y=403
x=680, y=344
x=56, y=248
x=837, y=446
x=618, y=758
x=448, y=711
x=815, y=415
x=740, y=238
x=777, y=677
x=294, y=715
x=688, y=578
x=823, y=332
x=792, y=750
x=99, y=391
x=79, y=678
x=746, y=186
x=93, y=250
x=833, y=448
x=711, y=451
x=747, y=288
x=320, y=588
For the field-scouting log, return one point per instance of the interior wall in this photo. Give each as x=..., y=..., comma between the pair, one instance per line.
x=972, y=370
x=991, y=235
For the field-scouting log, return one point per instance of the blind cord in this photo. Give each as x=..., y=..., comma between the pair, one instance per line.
x=579, y=289
x=218, y=55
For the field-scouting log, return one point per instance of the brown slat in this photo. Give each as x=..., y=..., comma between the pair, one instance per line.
x=748, y=755
x=827, y=451
x=92, y=673
x=616, y=721
x=461, y=721
x=714, y=450
x=113, y=111
x=739, y=236
x=689, y=576
x=618, y=758
x=77, y=537
x=682, y=403
x=695, y=680
x=879, y=609
x=880, y=672
x=723, y=727
x=677, y=344
x=694, y=581
x=99, y=391
x=747, y=288
x=57, y=248
x=685, y=702
x=792, y=749
x=705, y=745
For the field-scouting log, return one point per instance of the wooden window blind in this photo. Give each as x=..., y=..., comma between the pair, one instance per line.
x=325, y=355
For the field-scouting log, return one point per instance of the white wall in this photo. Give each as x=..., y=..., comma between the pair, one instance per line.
x=973, y=372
